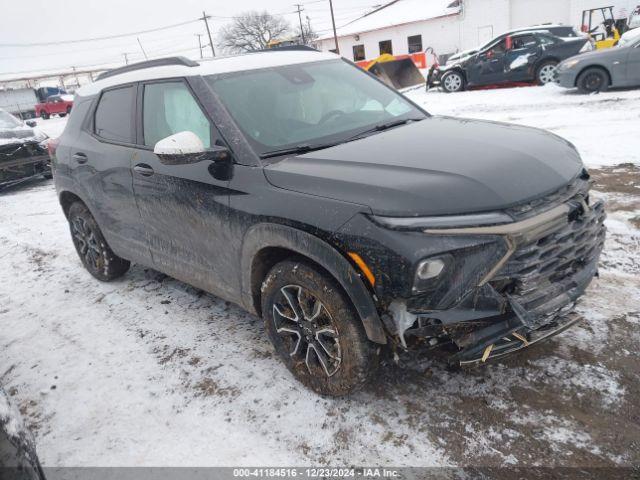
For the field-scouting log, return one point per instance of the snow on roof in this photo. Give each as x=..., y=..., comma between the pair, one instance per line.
x=237, y=63
x=399, y=12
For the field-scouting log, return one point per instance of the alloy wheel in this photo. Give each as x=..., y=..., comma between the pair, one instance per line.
x=307, y=330
x=593, y=82
x=453, y=82
x=547, y=74
x=86, y=243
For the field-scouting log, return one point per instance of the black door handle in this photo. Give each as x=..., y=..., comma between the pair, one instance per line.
x=143, y=169
x=80, y=157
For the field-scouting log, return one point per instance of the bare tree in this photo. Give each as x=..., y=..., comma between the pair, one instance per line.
x=253, y=31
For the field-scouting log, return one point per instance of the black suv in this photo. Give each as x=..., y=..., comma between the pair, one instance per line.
x=307, y=191
x=519, y=56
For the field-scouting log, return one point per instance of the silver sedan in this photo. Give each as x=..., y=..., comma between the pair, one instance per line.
x=598, y=70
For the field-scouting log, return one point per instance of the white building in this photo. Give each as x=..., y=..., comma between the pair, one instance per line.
x=448, y=26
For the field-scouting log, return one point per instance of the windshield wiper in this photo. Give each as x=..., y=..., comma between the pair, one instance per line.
x=296, y=150
x=383, y=126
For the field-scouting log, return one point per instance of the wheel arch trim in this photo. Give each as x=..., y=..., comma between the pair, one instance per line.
x=269, y=235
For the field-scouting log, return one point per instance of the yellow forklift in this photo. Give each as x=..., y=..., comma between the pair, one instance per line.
x=600, y=24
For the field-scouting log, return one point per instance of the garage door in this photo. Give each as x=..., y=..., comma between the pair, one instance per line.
x=525, y=13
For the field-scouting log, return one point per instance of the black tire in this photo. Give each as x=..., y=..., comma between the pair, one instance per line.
x=546, y=72
x=593, y=80
x=330, y=326
x=48, y=175
x=453, y=82
x=93, y=250
x=62, y=115
x=44, y=115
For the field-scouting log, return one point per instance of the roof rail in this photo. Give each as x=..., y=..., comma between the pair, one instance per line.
x=160, y=62
x=304, y=48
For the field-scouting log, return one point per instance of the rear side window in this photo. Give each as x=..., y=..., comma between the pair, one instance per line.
x=169, y=108
x=114, y=115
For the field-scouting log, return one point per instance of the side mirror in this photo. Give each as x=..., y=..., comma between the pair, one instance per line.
x=31, y=123
x=185, y=148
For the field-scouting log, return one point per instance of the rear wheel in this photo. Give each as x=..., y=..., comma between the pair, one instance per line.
x=315, y=330
x=62, y=115
x=452, y=82
x=44, y=115
x=93, y=250
x=593, y=80
x=547, y=72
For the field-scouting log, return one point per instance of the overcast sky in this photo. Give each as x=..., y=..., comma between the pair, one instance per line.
x=44, y=21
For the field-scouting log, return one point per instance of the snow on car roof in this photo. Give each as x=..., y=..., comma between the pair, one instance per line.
x=236, y=63
x=399, y=12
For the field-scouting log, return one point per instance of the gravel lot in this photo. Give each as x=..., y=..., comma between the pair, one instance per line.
x=149, y=371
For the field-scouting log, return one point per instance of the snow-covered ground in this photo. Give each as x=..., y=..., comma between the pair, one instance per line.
x=604, y=127
x=149, y=371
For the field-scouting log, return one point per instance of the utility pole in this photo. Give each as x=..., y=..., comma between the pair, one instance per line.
x=143, y=52
x=205, y=18
x=333, y=22
x=200, y=44
x=300, y=18
x=126, y=58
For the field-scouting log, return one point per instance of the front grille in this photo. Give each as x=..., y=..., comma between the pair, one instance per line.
x=546, y=275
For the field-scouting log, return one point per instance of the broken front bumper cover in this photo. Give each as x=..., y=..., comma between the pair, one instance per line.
x=22, y=162
x=528, y=296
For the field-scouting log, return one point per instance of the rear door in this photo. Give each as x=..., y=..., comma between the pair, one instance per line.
x=100, y=162
x=522, y=55
x=184, y=208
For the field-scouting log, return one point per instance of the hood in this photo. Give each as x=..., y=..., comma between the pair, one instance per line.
x=437, y=166
x=596, y=55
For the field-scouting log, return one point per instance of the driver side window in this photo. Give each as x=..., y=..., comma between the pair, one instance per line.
x=498, y=49
x=169, y=108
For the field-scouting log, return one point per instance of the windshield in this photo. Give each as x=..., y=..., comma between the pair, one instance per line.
x=8, y=121
x=312, y=103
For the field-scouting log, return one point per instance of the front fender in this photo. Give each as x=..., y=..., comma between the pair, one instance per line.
x=270, y=235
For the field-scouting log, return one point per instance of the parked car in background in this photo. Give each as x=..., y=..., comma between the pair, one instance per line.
x=60, y=105
x=21, y=101
x=23, y=151
x=317, y=197
x=598, y=70
x=524, y=56
x=564, y=31
x=18, y=458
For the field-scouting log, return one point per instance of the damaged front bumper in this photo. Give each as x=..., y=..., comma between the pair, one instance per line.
x=529, y=294
x=20, y=162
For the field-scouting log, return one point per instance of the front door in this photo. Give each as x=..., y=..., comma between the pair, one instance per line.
x=184, y=207
x=488, y=66
x=633, y=66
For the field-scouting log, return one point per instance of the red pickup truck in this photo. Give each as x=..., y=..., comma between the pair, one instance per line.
x=55, y=105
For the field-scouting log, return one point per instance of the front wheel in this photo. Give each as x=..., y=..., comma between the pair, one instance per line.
x=93, y=250
x=44, y=115
x=593, y=80
x=315, y=330
x=452, y=82
x=547, y=72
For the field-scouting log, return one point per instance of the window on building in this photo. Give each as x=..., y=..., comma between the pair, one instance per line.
x=415, y=43
x=358, y=53
x=113, y=118
x=385, y=47
x=170, y=108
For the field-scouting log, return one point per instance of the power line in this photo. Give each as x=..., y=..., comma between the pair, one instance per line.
x=94, y=39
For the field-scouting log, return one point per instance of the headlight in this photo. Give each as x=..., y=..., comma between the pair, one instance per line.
x=427, y=271
x=569, y=64
x=443, y=222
